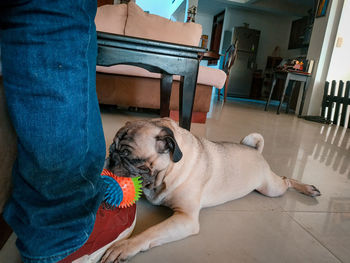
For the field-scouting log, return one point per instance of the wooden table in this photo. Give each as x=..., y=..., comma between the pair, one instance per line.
x=209, y=55
x=292, y=76
x=160, y=57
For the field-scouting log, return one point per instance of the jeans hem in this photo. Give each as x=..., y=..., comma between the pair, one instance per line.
x=55, y=258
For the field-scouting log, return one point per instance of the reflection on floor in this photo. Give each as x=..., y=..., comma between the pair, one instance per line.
x=291, y=228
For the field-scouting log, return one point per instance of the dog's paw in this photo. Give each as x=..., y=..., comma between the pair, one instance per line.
x=120, y=251
x=310, y=190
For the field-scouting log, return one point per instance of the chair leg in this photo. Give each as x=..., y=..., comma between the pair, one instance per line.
x=226, y=87
x=303, y=97
x=283, y=94
x=219, y=94
x=271, y=91
x=290, y=96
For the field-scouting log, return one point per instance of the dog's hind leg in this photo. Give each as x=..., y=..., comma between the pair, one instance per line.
x=277, y=186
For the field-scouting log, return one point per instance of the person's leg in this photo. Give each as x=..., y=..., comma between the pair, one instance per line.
x=48, y=58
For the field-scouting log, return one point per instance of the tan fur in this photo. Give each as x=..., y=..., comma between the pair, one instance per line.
x=208, y=174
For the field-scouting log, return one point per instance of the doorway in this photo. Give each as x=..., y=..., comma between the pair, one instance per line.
x=218, y=23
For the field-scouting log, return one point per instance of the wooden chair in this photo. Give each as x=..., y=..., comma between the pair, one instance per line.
x=229, y=59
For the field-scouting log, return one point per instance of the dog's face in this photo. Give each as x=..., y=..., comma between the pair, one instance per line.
x=143, y=148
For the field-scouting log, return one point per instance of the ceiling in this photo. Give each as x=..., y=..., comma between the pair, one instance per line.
x=278, y=7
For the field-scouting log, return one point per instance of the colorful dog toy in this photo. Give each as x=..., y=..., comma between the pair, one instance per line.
x=121, y=191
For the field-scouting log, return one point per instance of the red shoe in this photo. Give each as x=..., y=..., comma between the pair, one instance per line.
x=110, y=226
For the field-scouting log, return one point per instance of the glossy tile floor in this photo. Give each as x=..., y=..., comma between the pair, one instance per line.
x=291, y=228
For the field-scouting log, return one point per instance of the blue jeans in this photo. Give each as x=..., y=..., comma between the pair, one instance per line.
x=49, y=57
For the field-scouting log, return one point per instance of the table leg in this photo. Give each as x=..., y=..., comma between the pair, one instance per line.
x=303, y=97
x=283, y=93
x=226, y=86
x=271, y=91
x=290, y=95
x=186, y=99
x=219, y=94
x=166, y=82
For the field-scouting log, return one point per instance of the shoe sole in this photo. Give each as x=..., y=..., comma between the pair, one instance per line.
x=97, y=255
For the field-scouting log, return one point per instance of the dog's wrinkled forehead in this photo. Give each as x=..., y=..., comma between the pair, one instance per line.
x=147, y=139
x=140, y=136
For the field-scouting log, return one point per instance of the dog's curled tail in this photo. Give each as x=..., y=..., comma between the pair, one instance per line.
x=254, y=140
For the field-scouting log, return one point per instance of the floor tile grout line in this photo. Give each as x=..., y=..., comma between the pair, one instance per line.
x=314, y=237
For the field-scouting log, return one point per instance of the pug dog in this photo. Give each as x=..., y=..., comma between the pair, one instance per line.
x=184, y=172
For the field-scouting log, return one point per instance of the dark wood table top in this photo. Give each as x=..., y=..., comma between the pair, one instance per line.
x=209, y=55
x=147, y=45
x=294, y=72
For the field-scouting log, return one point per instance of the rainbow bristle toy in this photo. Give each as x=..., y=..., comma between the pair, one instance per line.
x=121, y=191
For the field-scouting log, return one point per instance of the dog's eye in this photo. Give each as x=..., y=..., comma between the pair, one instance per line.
x=125, y=153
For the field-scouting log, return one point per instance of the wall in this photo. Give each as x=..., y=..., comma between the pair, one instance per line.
x=339, y=68
x=298, y=8
x=179, y=14
x=206, y=20
x=320, y=50
x=163, y=8
x=275, y=30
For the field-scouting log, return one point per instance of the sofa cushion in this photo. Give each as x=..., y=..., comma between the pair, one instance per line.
x=143, y=25
x=111, y=18
x=206, y=76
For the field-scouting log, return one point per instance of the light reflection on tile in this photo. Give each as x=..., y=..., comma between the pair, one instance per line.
x=331, y=229
x=254, y=236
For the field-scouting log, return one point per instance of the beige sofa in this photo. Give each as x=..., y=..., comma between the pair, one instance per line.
x=126, y=85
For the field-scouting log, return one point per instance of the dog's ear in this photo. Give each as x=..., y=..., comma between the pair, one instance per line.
x=120, y=134
x=112, y=147
x=165, y=142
